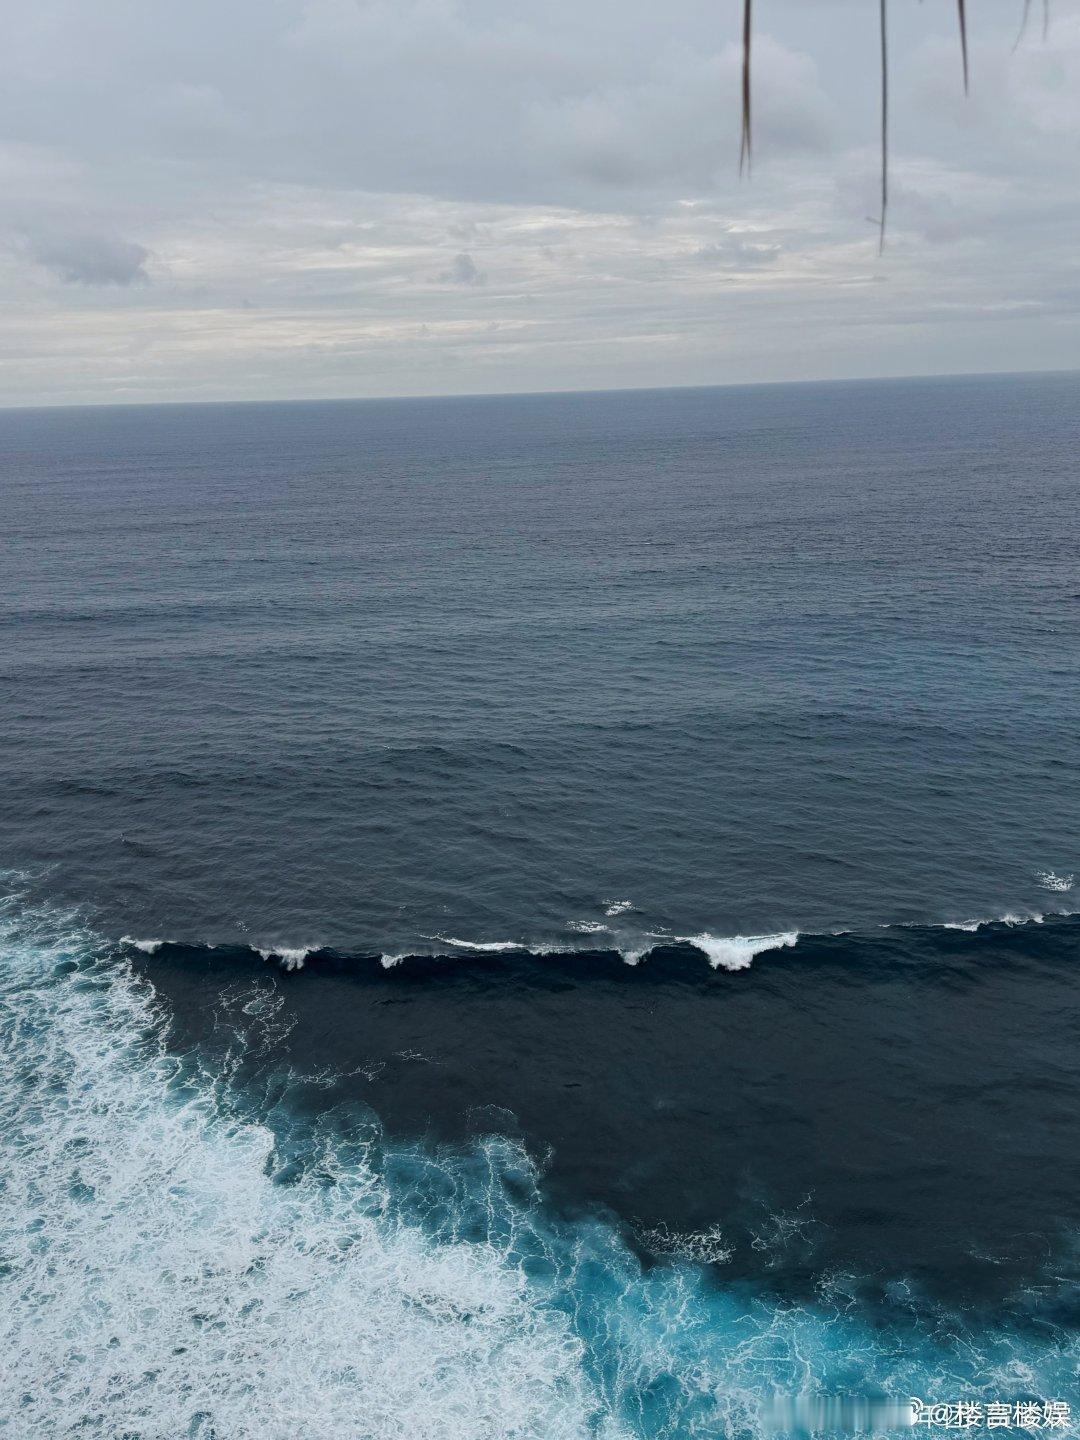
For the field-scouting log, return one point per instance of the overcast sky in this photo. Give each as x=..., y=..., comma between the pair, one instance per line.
x=251, y=199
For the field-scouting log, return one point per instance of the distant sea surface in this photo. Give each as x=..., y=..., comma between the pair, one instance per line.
x=539, y=916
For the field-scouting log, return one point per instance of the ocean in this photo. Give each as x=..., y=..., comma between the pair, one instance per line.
x=536, y=917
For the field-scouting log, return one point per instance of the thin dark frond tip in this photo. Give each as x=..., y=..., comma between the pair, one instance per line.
x=884, y=18
x=746, y=148
x=1027, y=16
x=961, y=11
x=746, y=142
x=1023, y=23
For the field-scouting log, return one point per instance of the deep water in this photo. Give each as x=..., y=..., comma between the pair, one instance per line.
x=787, y=658
x=538, y=917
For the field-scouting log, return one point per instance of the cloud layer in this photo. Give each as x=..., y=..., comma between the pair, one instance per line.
x=349, y=197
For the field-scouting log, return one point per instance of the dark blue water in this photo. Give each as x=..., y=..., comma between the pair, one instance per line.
x=672, y=798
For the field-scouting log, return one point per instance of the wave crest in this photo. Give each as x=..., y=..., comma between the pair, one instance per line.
x=738, y=952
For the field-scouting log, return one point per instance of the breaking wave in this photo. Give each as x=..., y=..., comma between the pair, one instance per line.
x=723, y=952
x=290, y=957
x=182, y=1259
x=148, y=947
x=737, y=952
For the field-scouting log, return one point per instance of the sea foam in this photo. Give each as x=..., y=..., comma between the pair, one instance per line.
x=289, y=957
x=492, y=946
x=1010, y=917
x=737, y=952
x=175, y=1265
x=148, y=947
x=159, y=1281
x=1050, y=881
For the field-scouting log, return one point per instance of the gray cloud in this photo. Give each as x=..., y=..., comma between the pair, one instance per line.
x=463, y=271
x=464, y=98
x=82, y=258
x=659, y=130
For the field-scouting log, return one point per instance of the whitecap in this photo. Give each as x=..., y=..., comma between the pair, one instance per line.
x=1049, y=881
x=737, y=952
x=486, y=945
x=618, y=907
x=632, y=954
x=148, y=947
x=1010, y=917
x=290, y=957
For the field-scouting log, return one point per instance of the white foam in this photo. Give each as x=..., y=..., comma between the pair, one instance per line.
x=702, y=1247
x=1049, y=881
x=618, y=907
x=148, y=947
x=158, y=1281
x=633, y=954
x=589, y=927
x=290, y=957
x=737, y=952
x=486, y=945
x=1033, y=917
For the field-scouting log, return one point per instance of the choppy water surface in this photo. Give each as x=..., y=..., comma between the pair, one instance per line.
x=539, y=917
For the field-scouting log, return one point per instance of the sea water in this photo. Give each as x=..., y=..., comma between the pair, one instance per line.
x=539, y=916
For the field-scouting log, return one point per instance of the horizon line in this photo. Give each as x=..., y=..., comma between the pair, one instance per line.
x=539, y=394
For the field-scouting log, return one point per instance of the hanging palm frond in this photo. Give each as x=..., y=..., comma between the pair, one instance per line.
x=884, y=26
x=745, y=150
x=962, y=15
x=746, y=137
